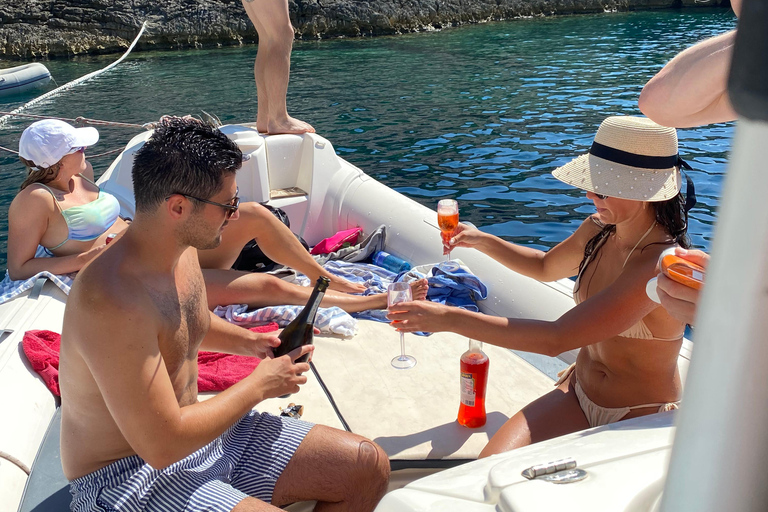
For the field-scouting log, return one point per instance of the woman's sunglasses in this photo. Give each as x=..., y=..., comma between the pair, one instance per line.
x=599, y=196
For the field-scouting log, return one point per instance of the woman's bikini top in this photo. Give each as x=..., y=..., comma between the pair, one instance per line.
x=639, y=330
x=88, y=221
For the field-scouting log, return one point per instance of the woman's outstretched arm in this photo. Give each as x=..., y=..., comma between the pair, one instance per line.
x=559, y=262
x=604, y=315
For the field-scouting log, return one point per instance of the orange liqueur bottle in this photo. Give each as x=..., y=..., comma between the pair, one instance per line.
x=474, y=377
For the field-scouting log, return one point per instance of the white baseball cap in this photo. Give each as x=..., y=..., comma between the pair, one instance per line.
x=48, y=141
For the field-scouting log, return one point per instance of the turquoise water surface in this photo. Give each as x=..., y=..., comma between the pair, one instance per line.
x=480, y=113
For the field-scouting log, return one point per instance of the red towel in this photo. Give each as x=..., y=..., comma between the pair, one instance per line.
x=216, y=371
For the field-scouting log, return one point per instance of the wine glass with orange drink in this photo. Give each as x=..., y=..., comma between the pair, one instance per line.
x=447, y=219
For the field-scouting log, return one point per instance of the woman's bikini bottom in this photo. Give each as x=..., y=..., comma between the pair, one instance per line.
x=597, y=415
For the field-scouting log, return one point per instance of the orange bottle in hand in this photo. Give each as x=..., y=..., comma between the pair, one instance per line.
x=682, y=271
x=474, y=377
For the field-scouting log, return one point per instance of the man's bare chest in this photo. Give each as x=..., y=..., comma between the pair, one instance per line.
x=185, y=321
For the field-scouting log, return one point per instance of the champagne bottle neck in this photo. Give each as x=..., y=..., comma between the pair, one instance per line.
x=309, y=312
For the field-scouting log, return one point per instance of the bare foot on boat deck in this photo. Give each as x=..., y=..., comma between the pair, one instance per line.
x=419, y=289
x=290, y=125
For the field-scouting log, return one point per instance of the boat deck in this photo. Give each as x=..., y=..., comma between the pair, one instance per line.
x=410, y=413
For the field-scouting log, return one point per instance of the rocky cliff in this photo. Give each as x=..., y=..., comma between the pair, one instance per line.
x=34, y=29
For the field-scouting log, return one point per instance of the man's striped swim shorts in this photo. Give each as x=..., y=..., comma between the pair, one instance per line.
x=244, y=461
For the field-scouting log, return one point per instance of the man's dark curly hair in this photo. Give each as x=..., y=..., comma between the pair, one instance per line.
x=183, y=156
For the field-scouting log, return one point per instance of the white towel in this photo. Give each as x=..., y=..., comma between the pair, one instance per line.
x=329, y=320
x=10, y=289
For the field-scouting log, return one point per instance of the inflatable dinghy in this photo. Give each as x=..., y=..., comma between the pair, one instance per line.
x=24, y=78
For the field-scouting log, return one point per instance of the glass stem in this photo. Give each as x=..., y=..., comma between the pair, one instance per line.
x=402, y=345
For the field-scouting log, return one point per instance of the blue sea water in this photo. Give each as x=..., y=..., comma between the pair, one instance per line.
x=480, y=113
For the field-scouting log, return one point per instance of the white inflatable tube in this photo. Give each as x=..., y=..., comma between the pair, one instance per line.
x=19, y=79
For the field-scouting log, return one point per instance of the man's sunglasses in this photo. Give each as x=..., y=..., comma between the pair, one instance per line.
x=80, y=149
x=230, y=207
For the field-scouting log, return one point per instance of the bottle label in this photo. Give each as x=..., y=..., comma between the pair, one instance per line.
x=313, y=309
x=468, y=389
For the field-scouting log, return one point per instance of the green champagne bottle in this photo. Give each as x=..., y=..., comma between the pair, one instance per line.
x=300, y=331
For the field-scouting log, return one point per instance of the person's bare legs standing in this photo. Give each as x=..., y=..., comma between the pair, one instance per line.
x=273, y=66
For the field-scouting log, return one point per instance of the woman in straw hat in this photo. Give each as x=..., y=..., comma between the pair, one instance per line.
x=62, y=211
x=627, y=365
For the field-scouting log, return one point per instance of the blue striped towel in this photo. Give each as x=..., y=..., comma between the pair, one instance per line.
x=329, y=320
x=10, y=289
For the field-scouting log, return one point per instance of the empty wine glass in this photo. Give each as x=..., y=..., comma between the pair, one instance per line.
x=396, y=293
x=447, y=219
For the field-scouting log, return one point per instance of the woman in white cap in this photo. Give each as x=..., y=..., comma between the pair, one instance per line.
x=627, y=365
x=61, y=208
x=73, y=226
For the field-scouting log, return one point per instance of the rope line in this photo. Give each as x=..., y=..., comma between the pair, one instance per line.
x=16, y=462
x=78, y=120
x=106, y=153
x=77, y=81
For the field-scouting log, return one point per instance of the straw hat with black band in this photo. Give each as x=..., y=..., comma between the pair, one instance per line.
x=630, y=158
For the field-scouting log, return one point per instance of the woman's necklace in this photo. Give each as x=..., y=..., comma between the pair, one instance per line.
x=648, y=232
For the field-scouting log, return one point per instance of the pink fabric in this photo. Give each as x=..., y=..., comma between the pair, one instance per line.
x=42, y=350
x=216, y=371
x=337, y=241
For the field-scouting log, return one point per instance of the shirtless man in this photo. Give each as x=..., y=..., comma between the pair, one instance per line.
x=691, y=90
x=133, y=434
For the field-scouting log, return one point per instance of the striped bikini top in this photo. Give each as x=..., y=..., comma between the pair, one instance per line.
x=88, y=221
x=640, y=330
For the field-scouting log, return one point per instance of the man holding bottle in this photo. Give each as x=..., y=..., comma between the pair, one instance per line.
x=134, y=435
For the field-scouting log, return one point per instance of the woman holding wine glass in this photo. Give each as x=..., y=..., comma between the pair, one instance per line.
x=627, y=365
x=397, y=293
x=448, y=220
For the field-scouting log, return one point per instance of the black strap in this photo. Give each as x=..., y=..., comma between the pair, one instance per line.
x=690, y=190
x=634, y=160
x=648, y=162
